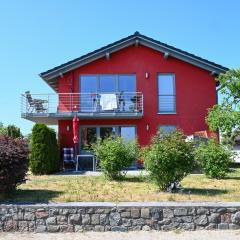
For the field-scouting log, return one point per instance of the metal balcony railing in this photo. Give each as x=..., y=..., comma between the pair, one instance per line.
x=81, y=103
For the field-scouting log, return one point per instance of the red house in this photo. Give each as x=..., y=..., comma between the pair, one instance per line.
x=130, y=88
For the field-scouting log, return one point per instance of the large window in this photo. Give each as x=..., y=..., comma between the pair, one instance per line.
x=107, y=83
x=166, y=93
x=92, y=87
x=167, y=128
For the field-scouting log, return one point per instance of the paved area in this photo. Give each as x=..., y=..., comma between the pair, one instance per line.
x=98, y=173
x=174, y=235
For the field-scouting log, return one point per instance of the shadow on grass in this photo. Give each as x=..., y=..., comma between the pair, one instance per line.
x=30, y=196
x=133, y=179
x=202, y=191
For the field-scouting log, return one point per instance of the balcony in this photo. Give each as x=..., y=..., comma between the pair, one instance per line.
x=49, y=108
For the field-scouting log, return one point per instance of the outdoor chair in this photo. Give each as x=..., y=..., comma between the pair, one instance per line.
x=68, y=157
x=35, y=104
x=120, y=101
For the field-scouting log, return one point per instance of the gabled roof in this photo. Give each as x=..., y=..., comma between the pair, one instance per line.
x=52, y=75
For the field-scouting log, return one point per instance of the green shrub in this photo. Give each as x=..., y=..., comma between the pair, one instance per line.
x=13, y=131
x=168, y=159
x=115, y=155
x=13, y=163
x=44, y=157
x=213, y=158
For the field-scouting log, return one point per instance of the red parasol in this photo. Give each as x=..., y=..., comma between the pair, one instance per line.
x=76, y=133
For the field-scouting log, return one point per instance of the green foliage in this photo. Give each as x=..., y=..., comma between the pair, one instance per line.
x=3, y=130
x=13, y=163
x=44, y=157
x=168, y=159
x=214, y=159
x=10, y=130
x=226, y=115
x=13, y=131
x=115, y=155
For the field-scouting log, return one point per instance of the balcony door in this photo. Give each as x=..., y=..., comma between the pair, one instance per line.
x=91, y=86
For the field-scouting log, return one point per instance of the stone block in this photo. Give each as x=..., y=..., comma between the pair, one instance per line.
x=104, y=220
x=86, y=219
x=125, y=214
x=74, y=218
x=201, y=220
x=202, y=211
x=115, y=219
x=236, y=217
x=188, y=226
x=135, y=213
x=233, y=226
x=226, y=218
x=42, y=214
x=95, y=219
x=23, y=226
x=29, y=216
x=211, y=226
x=145, y=213
x=146, y=228
x=41, y=229
x=180, y=211
x=168, y=213
x=119, y=229
x=223, y=226
x=99, y=228
x=61, y=219
x=138, y=222
x=51, y=221
x=214, y=218
x=53, y=228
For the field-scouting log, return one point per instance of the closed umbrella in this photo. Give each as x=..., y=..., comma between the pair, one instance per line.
x=75, y=134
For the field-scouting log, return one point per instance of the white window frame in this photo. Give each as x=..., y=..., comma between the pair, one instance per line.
x=172, y=95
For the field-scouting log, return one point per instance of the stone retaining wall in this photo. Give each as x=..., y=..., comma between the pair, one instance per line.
x=76, y=217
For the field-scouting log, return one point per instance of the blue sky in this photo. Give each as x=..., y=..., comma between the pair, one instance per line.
x=38, y=35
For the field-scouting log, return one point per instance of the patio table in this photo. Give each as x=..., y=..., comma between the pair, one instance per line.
x=86, y=155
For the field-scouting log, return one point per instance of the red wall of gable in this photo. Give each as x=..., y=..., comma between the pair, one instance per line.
x=195, y=91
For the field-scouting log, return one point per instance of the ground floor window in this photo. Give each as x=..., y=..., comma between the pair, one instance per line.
x=167, y=128
x=90, y=134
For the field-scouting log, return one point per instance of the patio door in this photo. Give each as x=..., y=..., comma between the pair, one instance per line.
x=90, y=134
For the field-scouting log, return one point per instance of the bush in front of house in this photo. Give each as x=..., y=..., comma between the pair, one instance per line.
x=44, y=156
x=168, y=159
x=115, y=155
x=13, y=163
x=214, y=159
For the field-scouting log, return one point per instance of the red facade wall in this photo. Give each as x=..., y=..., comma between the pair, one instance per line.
x=195, y=91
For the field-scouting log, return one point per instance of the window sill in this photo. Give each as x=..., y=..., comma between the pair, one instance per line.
x=165, y=113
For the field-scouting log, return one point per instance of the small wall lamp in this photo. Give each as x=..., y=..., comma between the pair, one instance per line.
x=146, y=75
x=147, y=127
x=68, y=128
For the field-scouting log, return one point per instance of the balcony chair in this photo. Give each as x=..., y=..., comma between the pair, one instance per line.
x=120, y=101
x=35, y=104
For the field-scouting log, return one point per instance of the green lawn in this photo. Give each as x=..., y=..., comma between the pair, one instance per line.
x=79, y=188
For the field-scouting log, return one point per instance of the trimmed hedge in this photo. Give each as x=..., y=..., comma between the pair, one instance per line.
x=44, y=157
x=13, y=163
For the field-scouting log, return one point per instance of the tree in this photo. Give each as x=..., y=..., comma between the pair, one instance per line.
x=13, y=131
x=44, y=157
x=225, y=116
x=10, y=131
x=3, y=130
